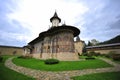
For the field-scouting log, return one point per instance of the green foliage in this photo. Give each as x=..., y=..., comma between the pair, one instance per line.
x=51, y=61
x=89, y=58
x=117, y=61
x=89, y=43
x=99, y=76
x=103, y=55
x=113, y=40
x=62, y=66
x=84, y=54
x=8, y=74
x=113, y=55
x=97, y=54
x=116, y=57
x=24, y=57
x=1, y=58
x=82, y=57
x=90, y=54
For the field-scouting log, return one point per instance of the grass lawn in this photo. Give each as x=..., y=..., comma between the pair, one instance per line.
x=82, y=57
x=116, y=61
x=62, y=66
x=8, y=74
x=99, y=76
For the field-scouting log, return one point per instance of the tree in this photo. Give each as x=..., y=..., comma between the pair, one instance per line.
x=111, y=41
x=89, y=43
x=94, y=42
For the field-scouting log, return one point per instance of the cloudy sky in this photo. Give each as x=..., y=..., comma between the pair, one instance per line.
x=22, y=20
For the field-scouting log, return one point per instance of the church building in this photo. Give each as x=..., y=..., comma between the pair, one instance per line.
x=57, y=42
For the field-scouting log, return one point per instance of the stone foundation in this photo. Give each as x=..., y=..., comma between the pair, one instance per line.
x=60, y=56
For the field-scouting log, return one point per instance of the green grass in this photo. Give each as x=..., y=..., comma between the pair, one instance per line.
x=82, y=57
x=8, y=74
x=99, y=76
x=62, y=66
x=116, y=61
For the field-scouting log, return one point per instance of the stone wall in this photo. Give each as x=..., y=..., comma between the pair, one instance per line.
x=11, y=50
x=79, y=47
x=105, y=51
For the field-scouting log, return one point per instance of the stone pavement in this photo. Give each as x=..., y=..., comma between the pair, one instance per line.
x=60, y=75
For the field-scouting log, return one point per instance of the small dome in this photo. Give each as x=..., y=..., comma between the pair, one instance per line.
x=55, y=17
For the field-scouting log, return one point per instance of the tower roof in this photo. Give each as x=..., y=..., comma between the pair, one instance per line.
x=55, y=16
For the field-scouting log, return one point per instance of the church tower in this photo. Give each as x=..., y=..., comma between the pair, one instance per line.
x=57, y=42
x=55, y=20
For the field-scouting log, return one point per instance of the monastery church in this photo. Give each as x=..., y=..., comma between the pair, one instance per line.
x=57, y=42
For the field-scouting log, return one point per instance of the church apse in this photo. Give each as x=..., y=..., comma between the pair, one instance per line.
x=56, y=42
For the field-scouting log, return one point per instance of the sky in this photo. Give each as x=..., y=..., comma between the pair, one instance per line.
x=21, y=21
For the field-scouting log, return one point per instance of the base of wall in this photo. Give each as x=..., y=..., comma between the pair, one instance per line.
x=59, y=56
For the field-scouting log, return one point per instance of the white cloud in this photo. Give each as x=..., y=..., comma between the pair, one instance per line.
x=22, y=20
x=14, y=36
x=35, y=14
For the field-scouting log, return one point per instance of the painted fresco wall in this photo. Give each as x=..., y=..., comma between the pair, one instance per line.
x=60, y=45
x=62, y=42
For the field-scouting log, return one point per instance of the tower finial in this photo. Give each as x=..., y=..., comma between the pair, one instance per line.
x=55, y=19
x=55, y=16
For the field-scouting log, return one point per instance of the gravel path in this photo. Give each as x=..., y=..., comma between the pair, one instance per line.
x=61, y=75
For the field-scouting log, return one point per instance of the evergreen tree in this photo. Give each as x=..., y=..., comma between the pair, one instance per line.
x=89, y=43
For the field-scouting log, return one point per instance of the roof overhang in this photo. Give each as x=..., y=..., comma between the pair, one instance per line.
x=54, y=30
